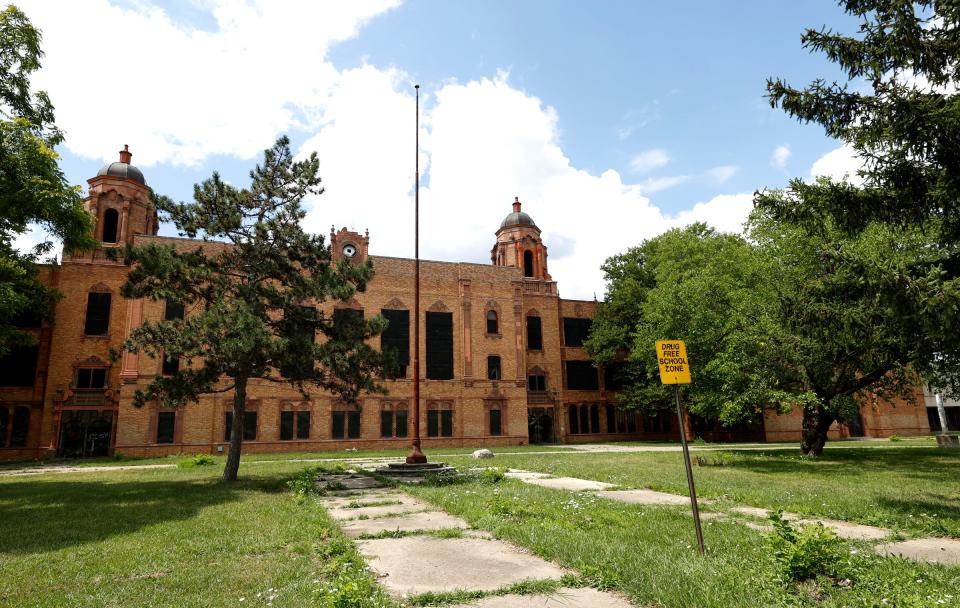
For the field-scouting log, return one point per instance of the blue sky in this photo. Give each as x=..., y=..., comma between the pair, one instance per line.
x=612, y=121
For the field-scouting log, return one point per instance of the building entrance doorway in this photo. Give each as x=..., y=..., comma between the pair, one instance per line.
x=540, y=425
x=85, y=433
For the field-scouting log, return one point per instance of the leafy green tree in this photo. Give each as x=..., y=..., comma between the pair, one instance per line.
x=33, y=189
x=784, y=318
x=249, y=290
x=899, y=110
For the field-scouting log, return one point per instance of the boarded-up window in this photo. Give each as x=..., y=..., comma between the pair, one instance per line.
x=249, y=426
x=534, y=334
x=581, y=376
x=395, y=340
x=165, y=425
x=19, y=366
x=575, y=331
x=439, y=345
x=98, y=314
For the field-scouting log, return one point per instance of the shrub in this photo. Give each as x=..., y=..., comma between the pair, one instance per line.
x=304, y=483
x=895, y=438
x=199, y=460
x=806, y=553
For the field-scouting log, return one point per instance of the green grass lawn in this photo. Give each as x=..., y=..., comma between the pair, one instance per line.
x=913, y=490
x=648, y=553
x=167, y=538
x=180, y=537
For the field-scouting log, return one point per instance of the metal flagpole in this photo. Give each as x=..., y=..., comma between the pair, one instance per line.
x=416, y=454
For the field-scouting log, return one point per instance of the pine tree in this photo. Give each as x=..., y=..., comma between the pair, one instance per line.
x=250, y=290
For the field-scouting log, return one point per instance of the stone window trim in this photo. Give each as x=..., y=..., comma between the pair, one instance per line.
x=155, y=409
x=347, y=409
x=97, y=288
x=295, y=407
x=394, y=406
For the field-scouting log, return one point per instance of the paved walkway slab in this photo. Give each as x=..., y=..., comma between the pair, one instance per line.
x=570, y=483
x=645, y=497
x=938, y=550
x=418, y=564
x=564, y=598
x=843, y=529
x=430, y=520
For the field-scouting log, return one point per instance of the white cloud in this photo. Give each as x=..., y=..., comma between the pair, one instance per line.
x=649, y=160
x=839, y=164
x=722, y=173
x=781, y=154
x=178, y=94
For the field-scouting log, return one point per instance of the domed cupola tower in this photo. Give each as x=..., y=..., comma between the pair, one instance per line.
x=119, y=201
x=519, y=245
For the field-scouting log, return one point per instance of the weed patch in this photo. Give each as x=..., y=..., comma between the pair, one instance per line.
x=200, y=460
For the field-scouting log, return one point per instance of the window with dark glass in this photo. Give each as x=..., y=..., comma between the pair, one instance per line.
x=584, y=418
x=91, y=377
x=393, y=423
x=19, y=366
x=286, y=426
x=4, y=421
x=303, y=424
x=440, y=423
x=345, y=424
x=536, y=383
x=574, y=420
x=249, y=426
x=613, y=376
x=493, y=368
x=111, y=219
x=97, y=322
x=165, y=425
x=21, y=427
x=582, y=376
x=656, y=422
x=534, y=334
x=395, y=340
x=575, y=331
x=496, y=423
x=300, y=329
x=611, y=418
x=595, y=418
x=173, y=311
x=439, y=345
x=493, y=326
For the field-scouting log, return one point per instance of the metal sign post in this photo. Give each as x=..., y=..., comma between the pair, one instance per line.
x=675, y=370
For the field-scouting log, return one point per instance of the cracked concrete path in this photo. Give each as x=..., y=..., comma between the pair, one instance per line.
x=436, y=552
x=938, y=550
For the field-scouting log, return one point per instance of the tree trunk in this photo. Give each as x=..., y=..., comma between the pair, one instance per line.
x=236, y=433
x=816, y=424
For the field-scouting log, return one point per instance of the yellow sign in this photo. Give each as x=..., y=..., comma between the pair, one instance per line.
x=672, y=358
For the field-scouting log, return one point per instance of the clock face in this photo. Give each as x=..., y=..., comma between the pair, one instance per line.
x=349, y=250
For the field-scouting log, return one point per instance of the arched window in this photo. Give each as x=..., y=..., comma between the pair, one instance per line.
x=528, y=263
x=584, y=419
x=493, y=327
x=111, y=220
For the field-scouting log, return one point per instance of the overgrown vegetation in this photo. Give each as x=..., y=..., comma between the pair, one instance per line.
x=810, y=552
x=199, y=460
